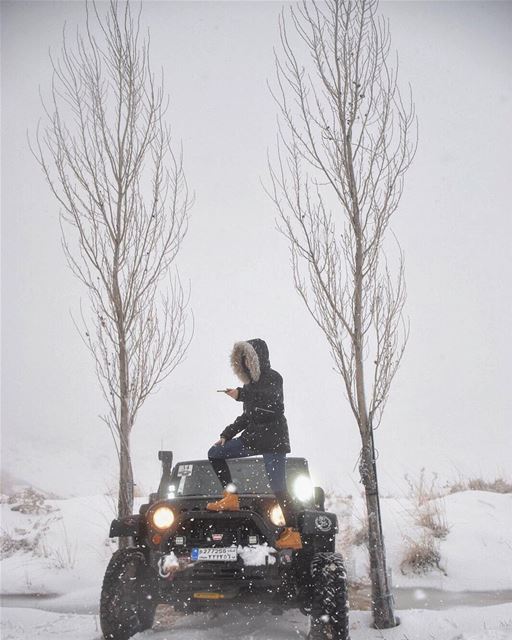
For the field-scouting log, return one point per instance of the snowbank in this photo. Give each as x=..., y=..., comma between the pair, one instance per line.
x=476, y=554
x=21, y=624
x=66, y=547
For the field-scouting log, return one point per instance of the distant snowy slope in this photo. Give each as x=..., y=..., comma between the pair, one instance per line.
x=76, y=466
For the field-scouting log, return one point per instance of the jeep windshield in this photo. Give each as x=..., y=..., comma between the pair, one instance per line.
x=197, y=478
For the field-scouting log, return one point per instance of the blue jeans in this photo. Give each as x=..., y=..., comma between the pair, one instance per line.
x=275, y=463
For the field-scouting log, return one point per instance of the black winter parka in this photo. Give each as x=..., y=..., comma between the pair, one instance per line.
x=262, y=423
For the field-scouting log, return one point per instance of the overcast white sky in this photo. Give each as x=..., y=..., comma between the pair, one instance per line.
x=450, y=408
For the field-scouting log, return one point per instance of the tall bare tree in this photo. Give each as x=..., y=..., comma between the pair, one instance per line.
x=107, y=155
x=346, y=139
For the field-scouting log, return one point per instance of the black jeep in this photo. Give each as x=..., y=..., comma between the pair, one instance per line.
x=181, y=554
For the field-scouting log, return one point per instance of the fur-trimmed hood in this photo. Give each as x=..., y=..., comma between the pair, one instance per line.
x=252, y=353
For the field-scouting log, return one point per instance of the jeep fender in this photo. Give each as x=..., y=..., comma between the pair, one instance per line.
x=318, y=523
x=126, y=527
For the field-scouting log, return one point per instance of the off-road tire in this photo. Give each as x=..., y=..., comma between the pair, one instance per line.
x=128, y=596
x=329, y=613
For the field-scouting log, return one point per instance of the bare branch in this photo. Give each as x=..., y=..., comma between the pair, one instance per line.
x=345, y=141
x=110, y=160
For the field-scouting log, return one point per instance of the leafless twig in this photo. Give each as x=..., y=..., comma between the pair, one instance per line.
x=107, y=153
x=345, y=141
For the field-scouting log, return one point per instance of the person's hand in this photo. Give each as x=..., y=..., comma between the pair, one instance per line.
x=233, y=393
x=220, y=442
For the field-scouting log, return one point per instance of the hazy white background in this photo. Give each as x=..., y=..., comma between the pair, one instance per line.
x=450, y=408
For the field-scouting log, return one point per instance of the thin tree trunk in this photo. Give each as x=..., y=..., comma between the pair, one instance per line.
x=125, y=500
x=125, y=505
x=382, y=603
x=382, y=600
x=125, y=494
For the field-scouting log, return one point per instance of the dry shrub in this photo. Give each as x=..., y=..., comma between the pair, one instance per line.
x=29, y=540
x=63, y=557
x=29, y=501
x=9, y=545
x=428, y=510
x=498, y=485
x=421, y=556
x=32, y=538
x=422, y=490
x=432, y=516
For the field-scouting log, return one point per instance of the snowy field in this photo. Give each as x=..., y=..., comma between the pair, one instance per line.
x=489, y=623
x=54, y=557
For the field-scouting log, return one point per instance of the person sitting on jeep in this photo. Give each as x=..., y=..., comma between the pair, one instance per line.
x=264, y=431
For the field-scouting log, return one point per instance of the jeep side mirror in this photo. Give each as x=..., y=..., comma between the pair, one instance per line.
x=166, y=458
x=319, y=498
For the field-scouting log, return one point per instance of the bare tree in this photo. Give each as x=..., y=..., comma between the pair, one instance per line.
x=106, y=153
x=345, y=141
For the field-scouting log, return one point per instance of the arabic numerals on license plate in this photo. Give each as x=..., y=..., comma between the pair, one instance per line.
x=220, y=554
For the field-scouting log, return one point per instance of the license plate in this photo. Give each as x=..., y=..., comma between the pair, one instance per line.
x=215, y=554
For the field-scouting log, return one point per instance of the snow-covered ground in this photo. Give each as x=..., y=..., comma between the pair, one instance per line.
x=476, y=554
x=68, y=546
x=489, y=623
x=63, y=549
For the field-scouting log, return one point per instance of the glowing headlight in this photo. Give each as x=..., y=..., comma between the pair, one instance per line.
x=162, y=518
x=303, y=488
x=277, y=517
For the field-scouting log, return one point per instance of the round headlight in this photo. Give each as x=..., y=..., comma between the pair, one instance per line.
x=303, y=488
x=162, y=518
x=277, y=517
